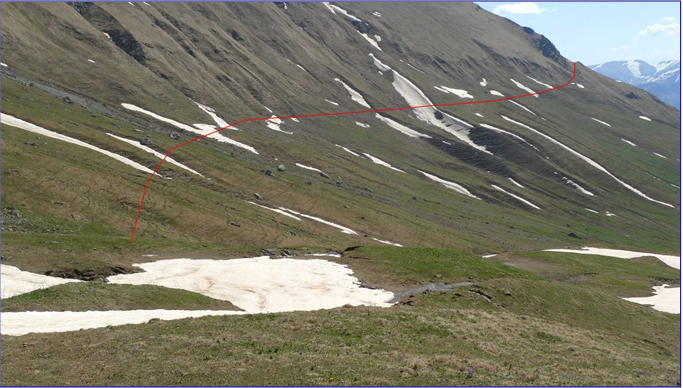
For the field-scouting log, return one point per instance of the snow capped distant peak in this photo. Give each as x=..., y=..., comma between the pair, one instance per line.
x=634, y=67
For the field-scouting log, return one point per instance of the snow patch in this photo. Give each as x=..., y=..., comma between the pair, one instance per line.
x=601, y=122
x=387, y=242
x=216, y=136
x=670, y=260
x=21, y=124
x=580, y=86
x=483, y=82
x=348, y=150
x=107, y=35
x=332, y=102
x=370, y=40
x=400, y=127
x=519, y=85
x=592, y=211
x=458, y=92
x=515, y=183
x=645, y=118
x=284, y=213
x=355, y=96
x=496, y=93
x=219, y=121
x=661, y=156
x=14, y=281
x=155, y=153
x=358, y=123
x=479, y=115
x=379, y=15
x=576, y=186
x=451, y=185
x=489, y=256
x=516, y=197
x=666, y=299
x=307, y=167
x=539, y=82
x=628, y=142
x=523, y=107
x=343, y=229
x=491, y=127
x=382, y=163
x=91, y=61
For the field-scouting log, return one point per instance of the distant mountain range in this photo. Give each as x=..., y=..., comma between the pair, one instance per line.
x=662, y=79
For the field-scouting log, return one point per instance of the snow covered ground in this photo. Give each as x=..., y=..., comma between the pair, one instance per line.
x=601, y=122
x=523, y=107
x=629, y=142
x=14, y=281
x=666, y=299
x=355, y=96
x=348, y=150
x=497, y=93
x=451, y=185
x=521, y=86
x=539, y=82
x=670, y=260
x=343, y=229
x=387, y=242
x=516, y=197
x=400, y=127
x=645, y=118
x=155, y=153
x=382, y=163
x=515, y=183
x=307, y=167
x=358, y=123
x=576, y=186
x=284, y=213
x=458, y=92
x=208, y=129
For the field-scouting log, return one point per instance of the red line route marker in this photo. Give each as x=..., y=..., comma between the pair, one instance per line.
x=144, y=193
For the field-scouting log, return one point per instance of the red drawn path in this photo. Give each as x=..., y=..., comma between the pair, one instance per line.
x=144, y=193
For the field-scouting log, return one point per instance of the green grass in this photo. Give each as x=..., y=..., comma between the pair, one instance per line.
x=400, y=268
x=92, y=296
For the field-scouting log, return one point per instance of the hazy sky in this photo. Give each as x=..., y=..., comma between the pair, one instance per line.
x=594, y=33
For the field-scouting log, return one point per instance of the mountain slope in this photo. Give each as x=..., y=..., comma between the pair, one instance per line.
x=663, y=79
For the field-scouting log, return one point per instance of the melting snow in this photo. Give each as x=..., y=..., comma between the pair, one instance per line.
x=295, y=119
x=355, y=96
x=458, y=92
x=219, y=121
x=342, y=228
x=22, y=323
x=515, y=183
x=284, y=213
x=516, y=197
x=489, y=256
x=608, y=214
x=387, y=242
x=415, y=97
x=415, y=68
x=523, y=107
x=21, y=124
x=370, y=40
x=631, y=143
x=14, y=281
x=580, y=86
x=307, y=168
x=576, y=186
x=107, y=35
x=592, y=211
x=153, y=152
x=666, y=299
x=483, y=82
x=645, y=118
x=91, y=61
x=601, y=122
x=347, y=150
x=3, y=64
x=131, y=4
x=274, y=124
x=332, y=102
x=400, y=127
x=451, y=185
x=358, y=123
x=519, y=85
x=539, y=82
x=216, y=136
x=589, y=161
x=670, y=260
x=382, y=163
x=661, y=156
x=479, y=115
x=261, y=284
x=342, y=11
x=496, y=93
x=491, y=127
x=377, y=14
x=378, y=38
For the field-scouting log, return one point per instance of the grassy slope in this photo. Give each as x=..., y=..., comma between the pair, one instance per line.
x=93, y=296
x=545, y=333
